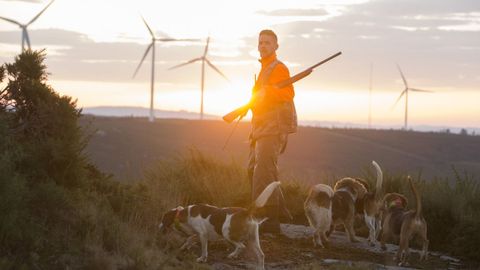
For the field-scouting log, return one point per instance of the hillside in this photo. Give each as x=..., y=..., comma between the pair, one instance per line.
x=126, y=146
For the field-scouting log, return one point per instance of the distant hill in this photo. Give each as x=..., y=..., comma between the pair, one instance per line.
x=126, y=111
x=126, y=146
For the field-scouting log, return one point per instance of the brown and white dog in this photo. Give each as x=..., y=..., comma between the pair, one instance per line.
x=208, y=223
x=318, y=209
x=370, y=205
x=346, y=193
x=406, y=224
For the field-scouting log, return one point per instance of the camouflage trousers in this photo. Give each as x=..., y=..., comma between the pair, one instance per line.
x=262, y=164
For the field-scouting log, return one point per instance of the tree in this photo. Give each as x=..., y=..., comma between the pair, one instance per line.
x=42, y=121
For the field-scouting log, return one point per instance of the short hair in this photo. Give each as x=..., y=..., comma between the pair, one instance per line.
x=269, y=32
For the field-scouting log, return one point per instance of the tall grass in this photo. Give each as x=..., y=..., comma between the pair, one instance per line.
x=450, y=206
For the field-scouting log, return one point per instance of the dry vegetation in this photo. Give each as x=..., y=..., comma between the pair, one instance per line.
x=59, y=211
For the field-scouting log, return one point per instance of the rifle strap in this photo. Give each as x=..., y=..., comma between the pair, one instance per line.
x=265, y=74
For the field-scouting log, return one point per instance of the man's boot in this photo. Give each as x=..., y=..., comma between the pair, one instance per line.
x=272, y=224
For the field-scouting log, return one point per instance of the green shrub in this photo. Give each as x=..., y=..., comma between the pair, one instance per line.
x=57, y=210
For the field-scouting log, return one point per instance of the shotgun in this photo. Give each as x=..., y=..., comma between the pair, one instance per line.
x=242, y=111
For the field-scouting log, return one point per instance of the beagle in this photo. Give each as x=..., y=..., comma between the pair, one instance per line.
x=209, y=223
x=318, y=209
x=406, y=224
x=370, y=205
x=347, y=192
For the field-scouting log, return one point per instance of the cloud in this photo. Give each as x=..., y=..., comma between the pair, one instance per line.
x=427, y=38
x=294, y=12
x=472, y=27
x=73, y=56
x=406, y=32
x=28, y=1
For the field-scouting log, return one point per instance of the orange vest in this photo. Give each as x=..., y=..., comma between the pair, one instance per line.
x=274, y=113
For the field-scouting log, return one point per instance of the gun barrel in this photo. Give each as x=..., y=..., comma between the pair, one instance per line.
x=231, y=116
x=325, y=60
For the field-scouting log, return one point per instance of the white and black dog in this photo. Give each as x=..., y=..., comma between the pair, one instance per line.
x=318, y=209
x=237, y=225
x=371, y=204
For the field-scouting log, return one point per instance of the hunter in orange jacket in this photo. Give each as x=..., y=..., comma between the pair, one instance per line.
x=274, y=117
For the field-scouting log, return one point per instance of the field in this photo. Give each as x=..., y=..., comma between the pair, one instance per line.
x=79, y=192
x=126, y=146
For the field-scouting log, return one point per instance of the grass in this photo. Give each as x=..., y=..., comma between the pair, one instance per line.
x=106, y=224
x=451, y=208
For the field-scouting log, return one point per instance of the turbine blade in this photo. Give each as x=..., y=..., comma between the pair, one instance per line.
x=186, y=63
x=206, y=47
x=398, y=99
x=403, y=77
x=175, y=39
x=40, y=13
x=216, y=69
x=10, y=20
x=143, y=58
x=148, y=27
x=420, y=90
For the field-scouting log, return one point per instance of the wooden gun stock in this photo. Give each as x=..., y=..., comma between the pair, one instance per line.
x=242, y=111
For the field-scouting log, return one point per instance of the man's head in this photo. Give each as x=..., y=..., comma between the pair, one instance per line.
x=267, y=43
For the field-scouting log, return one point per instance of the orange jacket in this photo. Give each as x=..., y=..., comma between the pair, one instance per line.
x=273, y=108
x=272, y=95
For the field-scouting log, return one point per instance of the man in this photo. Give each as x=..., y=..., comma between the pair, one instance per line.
x=274, y=117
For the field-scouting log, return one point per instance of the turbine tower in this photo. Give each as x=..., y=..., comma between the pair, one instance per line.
x=370, y=98
x=152, y=76
x=405, y=92
x=204, y=60
x=25, y=37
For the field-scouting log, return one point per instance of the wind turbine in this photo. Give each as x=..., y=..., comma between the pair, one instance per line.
x=370, y=98
x=204, y=60
x=25, y=37
x=152, y=77
x=405, y=92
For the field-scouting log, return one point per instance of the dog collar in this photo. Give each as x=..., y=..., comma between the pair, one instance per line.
x=395, y=203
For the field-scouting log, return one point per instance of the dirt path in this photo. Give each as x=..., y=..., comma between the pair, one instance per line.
x=295, y=251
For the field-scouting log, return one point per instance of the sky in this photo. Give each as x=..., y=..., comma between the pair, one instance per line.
x=94, y=47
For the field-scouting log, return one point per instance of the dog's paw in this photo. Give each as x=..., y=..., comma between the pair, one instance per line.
x=202, y=259
x=317, y=244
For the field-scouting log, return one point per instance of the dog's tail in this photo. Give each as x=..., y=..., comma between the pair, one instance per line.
x=418, y=201
x=265, y=195
x=378, y=186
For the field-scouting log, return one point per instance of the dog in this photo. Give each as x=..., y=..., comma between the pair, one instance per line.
x=209, y=223
x=347, y=192
x=370, y=206
x=318, y=210
x=405, y=224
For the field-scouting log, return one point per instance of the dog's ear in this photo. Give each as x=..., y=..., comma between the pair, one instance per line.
x=404, y=201
x=168, y=219
x=390, y=197
x=363, y=182
x=361, y=190
x=387, y=199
